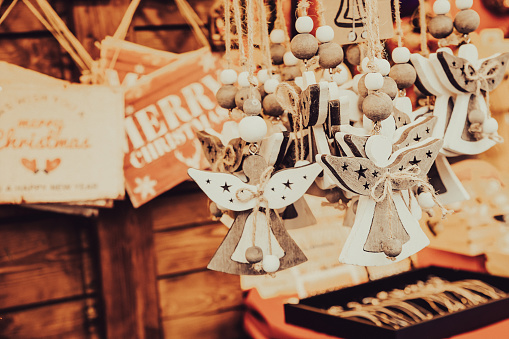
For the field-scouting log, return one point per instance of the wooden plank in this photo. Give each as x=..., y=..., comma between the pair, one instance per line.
x=223, y=325
x=128, y=272
x=42, y=54
x=154, y=12
x=21, y=19
x=180, y=210
x=72, y=319
x=177, y=41
x=188, y=249
x=198, y=293
x=44, y=260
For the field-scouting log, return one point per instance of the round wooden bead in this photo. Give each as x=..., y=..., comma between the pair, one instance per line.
x=425, y=200
x=490, y=126
x=441, y=7
x=244, y=93
x=464, y=4
x=290, y=73
x=243, y=79
x=304, y=46
x=270, y=85
x=353, y=54
x=277, y=52
x=377, y=106
x=476, y=116
x=330, y=55
x=403, y=74
x=374, y=81
x=289, y=59
x=277, y=36
x=263, y=75
x=440, y=26
x=392, y=247
x=214, y=210
x=254, y=254
x=401, y=55
x=390, y=87
x=364, y=65
x=362, y=90
x=378, y=149
x=271, y=106
x=355, y=82
x=252, y=106
x=304, y=24
x=270, y=263
x=228, y=77
x=325, y=33
x=467, y=21
x=225, y=96
x=340, y=77
x=384, y=66
x=252, y=128
x=333, y=196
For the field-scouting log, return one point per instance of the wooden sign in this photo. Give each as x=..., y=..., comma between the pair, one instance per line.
x=347, y=18
x=60, y=143
x=163, y=111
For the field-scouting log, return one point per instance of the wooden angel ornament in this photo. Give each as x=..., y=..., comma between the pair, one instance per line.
x=257, y=243
x=384, y=230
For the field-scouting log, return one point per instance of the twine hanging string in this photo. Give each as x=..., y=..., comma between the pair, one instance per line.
x=264, y=32
x=424, y=28
x=371, y=22
x=280, y=22
x=320, y=10
x=288, y=98
x=240, y=34
x=250, y=46
x=302, y=8
x=245, y=195
x=399, y=29
x=481, y=79
x=228, y=32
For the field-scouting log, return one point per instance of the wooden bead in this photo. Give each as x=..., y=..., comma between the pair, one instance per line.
x=263, y=75
x=392, y=247
x=243, y=79
x=254, y=254
x=271, y=106
x=304, y=46
x=403, y=74
x=304, y=24
x=277, y=51
x=383, y=65
x=270, y=263
x=330, y=55
x=277, y=36
x=362, y=90
x=441, y=7
x=441, y=26
x=378, y=149
x=252, y=106
x=333, y=196
x=228, y=76
x=377, y=106
x=325, y=33
x=252, y=129
x=290, y=73
x=289, y=59
x=467, y=21
x=401, y=55
x=390, y=87
x=353, y=54
x=270, y=85
x=340, y=77
x=425, y=200
x=464, y=4
x=244, y=93
x=225, y=96
x=476, y=116
x=374, y=81
x=490, y=126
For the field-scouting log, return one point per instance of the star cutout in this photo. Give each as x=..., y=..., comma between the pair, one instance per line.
x=226, y=187
x=417, y=138
x=427, y=130
x=273, y=189
x=344, y=167
x=283, y=197
x=208, y=181
x=366, y=185
x=428, y=154
x=361, y=171
x=231, y=200
x=305, y=177
x=375, y=174
x=209, y=147
x=414, y=162
x=401, y=168
x=288, y=184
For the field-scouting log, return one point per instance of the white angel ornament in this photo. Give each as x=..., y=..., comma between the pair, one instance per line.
x=257, y=243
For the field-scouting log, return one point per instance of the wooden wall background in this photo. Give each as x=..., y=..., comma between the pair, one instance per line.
x=128, y=273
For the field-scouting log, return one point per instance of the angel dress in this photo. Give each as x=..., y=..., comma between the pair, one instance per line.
x=283, y=188
x=378, y=223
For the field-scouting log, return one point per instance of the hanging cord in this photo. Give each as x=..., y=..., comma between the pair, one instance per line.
x=320, y=10
x=265, y=42
x=302, y=7
x=373, y=35
x=397, y=15
x=240, y=34
x=288, y=98
x=228, y=32
x=280, y=22
x=424, y=28
x=8, y=10
x=250, y=46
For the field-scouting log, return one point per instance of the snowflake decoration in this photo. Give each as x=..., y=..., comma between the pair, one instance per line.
x=145, y=187
x=207, y=62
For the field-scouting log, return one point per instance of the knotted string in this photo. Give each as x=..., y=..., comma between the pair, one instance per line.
x=241, y=195
x=289, y=99
x=228, y=32
x=280, y=22
x=240, y=33
x=399, y=29
x=482, y=79
x=424, y=28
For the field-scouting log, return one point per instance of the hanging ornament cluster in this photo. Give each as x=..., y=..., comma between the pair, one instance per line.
x=355, y=141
